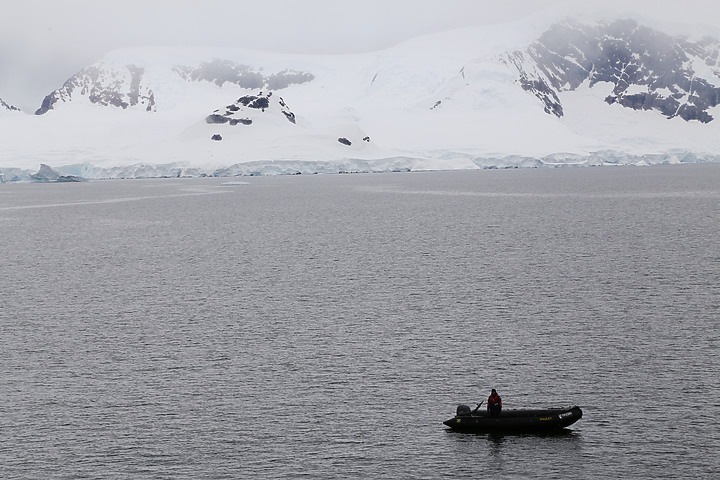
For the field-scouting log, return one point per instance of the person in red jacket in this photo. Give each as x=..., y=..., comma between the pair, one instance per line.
x=494, y=403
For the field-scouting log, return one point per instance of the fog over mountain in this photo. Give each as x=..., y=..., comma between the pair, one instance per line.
x=579, y=92
x=649, y=70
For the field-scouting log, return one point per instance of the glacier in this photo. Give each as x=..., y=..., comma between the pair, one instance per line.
x=471, y=98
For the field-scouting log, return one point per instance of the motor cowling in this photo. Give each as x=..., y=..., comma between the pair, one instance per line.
x=463, y=411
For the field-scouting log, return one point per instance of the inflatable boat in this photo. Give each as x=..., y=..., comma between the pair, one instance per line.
x=513, y=421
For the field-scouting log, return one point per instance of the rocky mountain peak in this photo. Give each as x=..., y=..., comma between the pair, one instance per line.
x=646, y=69
x=104, y=84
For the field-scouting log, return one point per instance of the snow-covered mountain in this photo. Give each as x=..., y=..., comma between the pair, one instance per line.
x=127, y=86
x=102, y=84
x=647, y=69
x=610, y=92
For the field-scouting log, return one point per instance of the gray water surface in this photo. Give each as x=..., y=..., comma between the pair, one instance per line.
x=325, y=326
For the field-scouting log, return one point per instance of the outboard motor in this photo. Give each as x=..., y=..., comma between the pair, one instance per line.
x=463, y=411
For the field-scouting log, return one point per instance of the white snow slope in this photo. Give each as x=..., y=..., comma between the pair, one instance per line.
x=445, y=101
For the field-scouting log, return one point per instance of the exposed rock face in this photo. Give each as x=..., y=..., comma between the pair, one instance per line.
x=7, y=106
x=647, y=69
x=249, y=106
x=104, y=85
x=219, y=71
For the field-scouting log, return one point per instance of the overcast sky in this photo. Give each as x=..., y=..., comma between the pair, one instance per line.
x=44, y=42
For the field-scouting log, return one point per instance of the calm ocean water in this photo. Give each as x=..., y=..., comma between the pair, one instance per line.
x=325, y=326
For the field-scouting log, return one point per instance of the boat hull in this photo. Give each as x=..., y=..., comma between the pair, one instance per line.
x=516, y=421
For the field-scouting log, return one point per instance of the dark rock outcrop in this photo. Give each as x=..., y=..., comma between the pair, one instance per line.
x=215, y=118
x=241, y=121
x=246, y=107
x=260, y=102
x=7, y=106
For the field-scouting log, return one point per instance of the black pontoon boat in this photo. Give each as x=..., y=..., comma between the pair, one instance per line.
x=513, y=421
